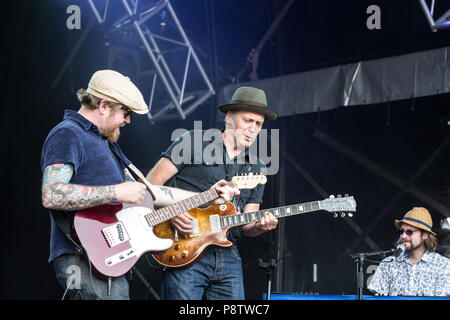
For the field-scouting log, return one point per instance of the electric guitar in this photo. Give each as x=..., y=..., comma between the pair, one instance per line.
x=212, y=225
x=115, y=236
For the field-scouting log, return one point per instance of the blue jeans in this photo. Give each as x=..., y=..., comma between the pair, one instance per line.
x=217, y=275
x=79, y=283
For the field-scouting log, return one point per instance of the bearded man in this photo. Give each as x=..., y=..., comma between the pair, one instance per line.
x=83, y=166
x=419, y=270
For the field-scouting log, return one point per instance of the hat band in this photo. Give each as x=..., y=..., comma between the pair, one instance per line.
x=418, y=221
x=252, y=103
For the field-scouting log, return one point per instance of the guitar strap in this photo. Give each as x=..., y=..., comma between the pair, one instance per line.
x=137, y=175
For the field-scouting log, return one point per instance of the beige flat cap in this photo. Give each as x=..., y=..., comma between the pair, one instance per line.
x=115, y=87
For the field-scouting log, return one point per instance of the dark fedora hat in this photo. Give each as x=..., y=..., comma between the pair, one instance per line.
x=250, y=99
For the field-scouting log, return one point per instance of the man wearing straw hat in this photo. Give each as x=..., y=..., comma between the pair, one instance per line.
x=83, y=166
x=419, y=271
x=218, y=274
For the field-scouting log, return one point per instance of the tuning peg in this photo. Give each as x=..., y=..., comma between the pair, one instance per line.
x=339, y=196
x=342, y=214
x=346, y=195
x=335, y=215
x=250, y=173
x=350, y=214
x=331, y=196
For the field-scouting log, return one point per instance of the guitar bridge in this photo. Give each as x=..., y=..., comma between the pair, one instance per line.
x=115, y=234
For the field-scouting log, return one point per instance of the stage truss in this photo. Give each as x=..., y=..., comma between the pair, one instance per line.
x=176, y=82
x=443, y=22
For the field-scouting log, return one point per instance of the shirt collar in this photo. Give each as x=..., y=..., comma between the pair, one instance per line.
x=427, y=257
x=82, y=121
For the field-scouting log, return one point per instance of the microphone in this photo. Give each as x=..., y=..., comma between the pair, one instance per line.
x=399, y=250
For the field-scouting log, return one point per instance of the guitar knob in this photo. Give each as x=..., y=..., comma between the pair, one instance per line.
x=171, y=258
x=176, y=247
x=185, y=254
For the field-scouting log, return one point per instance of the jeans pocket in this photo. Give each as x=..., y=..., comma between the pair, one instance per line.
x=64, y=265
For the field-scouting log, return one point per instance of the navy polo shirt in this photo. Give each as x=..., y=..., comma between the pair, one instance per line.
x=78, y=142
x=202, y=161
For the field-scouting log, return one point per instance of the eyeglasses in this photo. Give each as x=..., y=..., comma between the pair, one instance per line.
x=127, y=111
x=408, y=232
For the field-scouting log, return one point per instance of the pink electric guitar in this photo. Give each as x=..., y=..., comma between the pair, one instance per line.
x=115, y=236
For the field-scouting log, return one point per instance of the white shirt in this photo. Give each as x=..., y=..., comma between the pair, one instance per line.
x=430, y=276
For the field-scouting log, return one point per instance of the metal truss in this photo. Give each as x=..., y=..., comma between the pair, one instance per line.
x=441, y=23
x=178, y=84
x=252, y=59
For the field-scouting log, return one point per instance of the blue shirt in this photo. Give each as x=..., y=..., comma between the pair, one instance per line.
x=78, y=142
x=202, y=161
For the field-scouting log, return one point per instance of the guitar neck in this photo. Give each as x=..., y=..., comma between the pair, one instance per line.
x=170, y=211
x=280, y=212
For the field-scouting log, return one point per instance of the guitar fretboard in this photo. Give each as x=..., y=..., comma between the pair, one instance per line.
x=281, y=212
x=166, y=213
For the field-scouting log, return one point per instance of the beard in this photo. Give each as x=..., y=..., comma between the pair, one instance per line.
x=410, y=247
x=111, y=133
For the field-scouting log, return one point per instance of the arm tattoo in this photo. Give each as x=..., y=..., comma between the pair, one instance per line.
x=57, y=173
x=167, y=191
x=59, y=194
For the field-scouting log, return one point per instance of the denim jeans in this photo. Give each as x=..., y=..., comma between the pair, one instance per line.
x=217, y=275
x=79, y=283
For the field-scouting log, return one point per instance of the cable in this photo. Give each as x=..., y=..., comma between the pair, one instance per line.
x=92, y=281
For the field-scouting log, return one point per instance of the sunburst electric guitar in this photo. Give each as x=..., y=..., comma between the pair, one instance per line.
x=115, y=236
x=211, y=226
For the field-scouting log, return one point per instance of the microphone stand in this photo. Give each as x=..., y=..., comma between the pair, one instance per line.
x=268, y=266
x=359, y=259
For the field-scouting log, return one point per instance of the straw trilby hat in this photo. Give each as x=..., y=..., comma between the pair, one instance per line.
x=250, y=99
x=115, y=87
x=417, y=217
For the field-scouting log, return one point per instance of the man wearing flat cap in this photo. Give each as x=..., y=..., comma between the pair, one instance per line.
x=218, y=273
x=419, y=271
x=83, y=166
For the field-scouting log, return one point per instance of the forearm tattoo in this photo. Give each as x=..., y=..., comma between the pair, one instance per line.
x=167, y=191
x=59, y=194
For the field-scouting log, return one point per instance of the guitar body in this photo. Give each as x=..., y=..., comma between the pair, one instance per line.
x=186, y=250
x=115, y=236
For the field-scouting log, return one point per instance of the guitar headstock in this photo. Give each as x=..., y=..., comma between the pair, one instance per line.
x=339, y=205
x=248, y=181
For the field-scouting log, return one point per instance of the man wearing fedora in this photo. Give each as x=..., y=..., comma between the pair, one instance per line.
x=419, y=271
x=218, y=273
x=83, y=166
